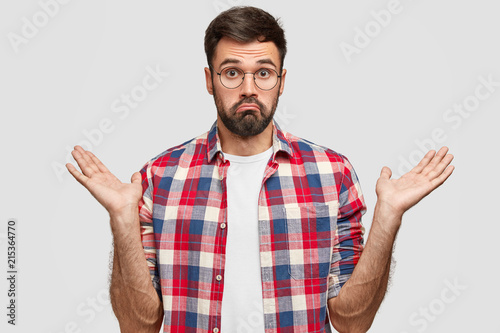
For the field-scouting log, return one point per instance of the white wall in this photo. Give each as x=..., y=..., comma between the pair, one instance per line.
x=394, y=92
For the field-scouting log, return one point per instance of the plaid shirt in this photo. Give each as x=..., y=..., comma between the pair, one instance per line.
x=311, y=236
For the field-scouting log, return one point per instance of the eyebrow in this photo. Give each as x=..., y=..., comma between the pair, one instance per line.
x=237, y=61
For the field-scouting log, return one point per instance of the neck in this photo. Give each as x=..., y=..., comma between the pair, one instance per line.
x=244, y=146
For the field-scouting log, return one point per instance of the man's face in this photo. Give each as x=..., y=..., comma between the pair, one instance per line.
x=246, y=110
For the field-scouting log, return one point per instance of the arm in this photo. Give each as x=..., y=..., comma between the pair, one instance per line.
x=134, y=299
x=354, y=309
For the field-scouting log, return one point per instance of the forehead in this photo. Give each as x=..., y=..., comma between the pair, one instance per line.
x=247, y=53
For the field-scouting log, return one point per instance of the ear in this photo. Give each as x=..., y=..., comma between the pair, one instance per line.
x=282, y=85
x=208, y=79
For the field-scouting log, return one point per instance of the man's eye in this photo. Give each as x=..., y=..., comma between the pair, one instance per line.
x=231, y=73
x=263, y=73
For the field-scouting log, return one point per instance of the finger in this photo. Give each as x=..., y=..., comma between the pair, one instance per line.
x=84, y=161
x=136, y=178
x=385, y=173
x=435, y=161
x=443, y=176
x=439, y=169
x=424, y=161
x=98, y=162
x=82, y=179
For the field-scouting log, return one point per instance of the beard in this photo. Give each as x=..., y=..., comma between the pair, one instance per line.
x=246, y=123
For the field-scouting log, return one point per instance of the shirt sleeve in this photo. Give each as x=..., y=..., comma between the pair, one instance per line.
x=348, y=242
x=147, y=231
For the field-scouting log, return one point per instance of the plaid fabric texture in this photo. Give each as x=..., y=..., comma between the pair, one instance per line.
x=311, y=236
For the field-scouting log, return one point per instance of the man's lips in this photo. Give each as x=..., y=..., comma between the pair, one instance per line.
x=245, y=107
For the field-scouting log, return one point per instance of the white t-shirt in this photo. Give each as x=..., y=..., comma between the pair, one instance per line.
x=242, y=297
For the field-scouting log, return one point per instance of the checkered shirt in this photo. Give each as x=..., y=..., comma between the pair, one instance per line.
x=311, y=235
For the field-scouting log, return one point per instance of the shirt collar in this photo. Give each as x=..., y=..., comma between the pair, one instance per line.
x=280, y=142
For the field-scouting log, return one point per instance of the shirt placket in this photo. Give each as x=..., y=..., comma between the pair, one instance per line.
x=220, y=246
x=271, y=168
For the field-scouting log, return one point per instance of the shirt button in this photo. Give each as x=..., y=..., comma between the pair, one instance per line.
x=218, y=277
x=222, y=225
x=215, y=330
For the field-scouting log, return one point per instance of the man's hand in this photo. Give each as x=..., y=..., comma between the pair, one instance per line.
x=114, y=195
x=399, y=195
x=354, y=309
x=133, y=297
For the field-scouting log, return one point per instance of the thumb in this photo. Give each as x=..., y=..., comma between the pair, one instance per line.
x=386, y=173
x=136, y=178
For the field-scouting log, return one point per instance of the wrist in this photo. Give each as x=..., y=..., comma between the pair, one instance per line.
x=124, y=212
x=387, y=217
x=124, y=218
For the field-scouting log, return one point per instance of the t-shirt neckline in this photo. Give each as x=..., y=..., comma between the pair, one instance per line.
x=249, y=159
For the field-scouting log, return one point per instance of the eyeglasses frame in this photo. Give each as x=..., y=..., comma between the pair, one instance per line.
x=244, y=74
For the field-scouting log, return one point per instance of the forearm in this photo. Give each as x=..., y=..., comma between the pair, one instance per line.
x=354, y=309
x=133, y=297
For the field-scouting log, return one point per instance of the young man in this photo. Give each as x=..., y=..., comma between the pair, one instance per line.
x=247, y=228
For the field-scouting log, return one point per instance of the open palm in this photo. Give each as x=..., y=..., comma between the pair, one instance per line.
x=103, y=185
x=403, y=193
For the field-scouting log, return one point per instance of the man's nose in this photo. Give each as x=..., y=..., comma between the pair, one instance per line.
x=248, y=87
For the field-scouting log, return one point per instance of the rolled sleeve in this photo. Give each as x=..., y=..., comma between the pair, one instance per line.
x=147, y=231
x=348, y=241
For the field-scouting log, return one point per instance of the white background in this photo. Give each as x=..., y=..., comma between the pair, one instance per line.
x=375, y=107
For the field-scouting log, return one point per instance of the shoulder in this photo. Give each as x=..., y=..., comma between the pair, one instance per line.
x=309, y=151
x=191, y=149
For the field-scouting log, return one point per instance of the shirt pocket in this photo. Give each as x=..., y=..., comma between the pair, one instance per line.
x=310, y=231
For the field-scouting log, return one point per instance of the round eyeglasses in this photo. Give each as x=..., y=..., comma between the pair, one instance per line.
x=264, y=78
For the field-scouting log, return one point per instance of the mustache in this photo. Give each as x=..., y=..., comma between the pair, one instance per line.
x=247, y=100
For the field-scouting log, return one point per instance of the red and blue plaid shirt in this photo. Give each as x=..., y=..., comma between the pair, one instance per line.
x=311, y=236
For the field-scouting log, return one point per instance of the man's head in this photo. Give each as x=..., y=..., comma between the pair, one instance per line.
x=245, y=24
x=238, y=41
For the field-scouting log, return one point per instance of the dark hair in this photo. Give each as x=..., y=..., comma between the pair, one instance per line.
x=245, y=24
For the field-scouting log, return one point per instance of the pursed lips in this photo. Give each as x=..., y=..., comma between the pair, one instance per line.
x=245, y=107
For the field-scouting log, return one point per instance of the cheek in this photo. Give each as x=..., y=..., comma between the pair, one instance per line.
x=271, y=100
x=227, y=99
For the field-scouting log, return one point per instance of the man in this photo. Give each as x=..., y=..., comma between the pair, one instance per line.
x=247, y=228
